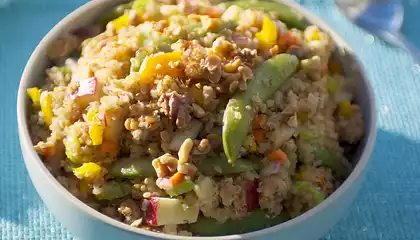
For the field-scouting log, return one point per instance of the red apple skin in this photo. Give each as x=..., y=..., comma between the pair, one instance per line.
x=168, y=211
x=251, y=195
x=152, y=211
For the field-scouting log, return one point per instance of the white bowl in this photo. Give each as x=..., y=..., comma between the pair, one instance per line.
x=86, y=223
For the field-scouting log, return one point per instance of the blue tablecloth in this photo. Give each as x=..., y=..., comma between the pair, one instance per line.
x=388, y=206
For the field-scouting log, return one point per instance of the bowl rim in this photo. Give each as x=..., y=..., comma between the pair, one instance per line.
x=25, y=138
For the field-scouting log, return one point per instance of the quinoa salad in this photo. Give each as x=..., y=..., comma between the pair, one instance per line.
x=195, y=118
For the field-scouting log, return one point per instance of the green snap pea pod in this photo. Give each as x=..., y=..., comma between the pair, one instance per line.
x=132, y=167
x=218, y=166
x=285, y=14
x=322, y=153
x=316, y=192
x=113, y=190
x=184, y=187
x=268, y=78
x=330, y=160
x=256, y=221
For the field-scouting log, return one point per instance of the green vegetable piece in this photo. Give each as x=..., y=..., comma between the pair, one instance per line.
x=115, y=13
x=68, y=166
x=316, y=192
x=132, y=167
x=308, y=136
x=137, y=60
x=120, y=9
x=324, y=154
x=114, y=190
x=332, y=85
x=285, y=14
x=184, y=187
x=140, y=4
x=268, y=78
x=218, y=166
x=330, y=160
x=256, y=221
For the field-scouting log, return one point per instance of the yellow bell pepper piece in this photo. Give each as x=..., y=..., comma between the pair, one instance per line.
x=268, y=34
x=161, y=64
x=96, y=132
x=124, y=20
x=250, y=144
x=46, y=108
x=316, y=35
x=121, y=22
x=88, y=171
x=35, y=95
x=345, y=109
x=91, y=115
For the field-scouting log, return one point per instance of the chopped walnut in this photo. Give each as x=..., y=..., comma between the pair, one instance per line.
x=249, y=57
x=194, y=70
x=176, y=108
x=213, y=68
x=198, y=111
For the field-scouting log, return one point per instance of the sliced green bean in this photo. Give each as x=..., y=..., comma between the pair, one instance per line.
x=268, y=78
x=256, y=221
x=324, y=154
x=285, y=14
x=330, y=159
x=315, y=192
x=217, y=165
x=113, y=190
x=133, y=167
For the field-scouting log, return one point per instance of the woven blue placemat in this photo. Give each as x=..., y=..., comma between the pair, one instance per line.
x=388, y=206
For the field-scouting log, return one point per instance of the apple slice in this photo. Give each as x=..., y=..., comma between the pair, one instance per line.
x=251, y=195
x=89, y=91
x=170, y=211
x=115, y=111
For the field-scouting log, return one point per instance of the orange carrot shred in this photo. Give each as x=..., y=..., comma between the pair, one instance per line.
x=324, y=68
x=285, y=40
x=259, y=135
x=258, y=120
x=177, y=178
x=277, y=155
x=214, y=12
x=49, y=151
x=108, y=147
x=291, y=39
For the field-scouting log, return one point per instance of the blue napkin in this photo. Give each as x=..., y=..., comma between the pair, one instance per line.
x=388, y=206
